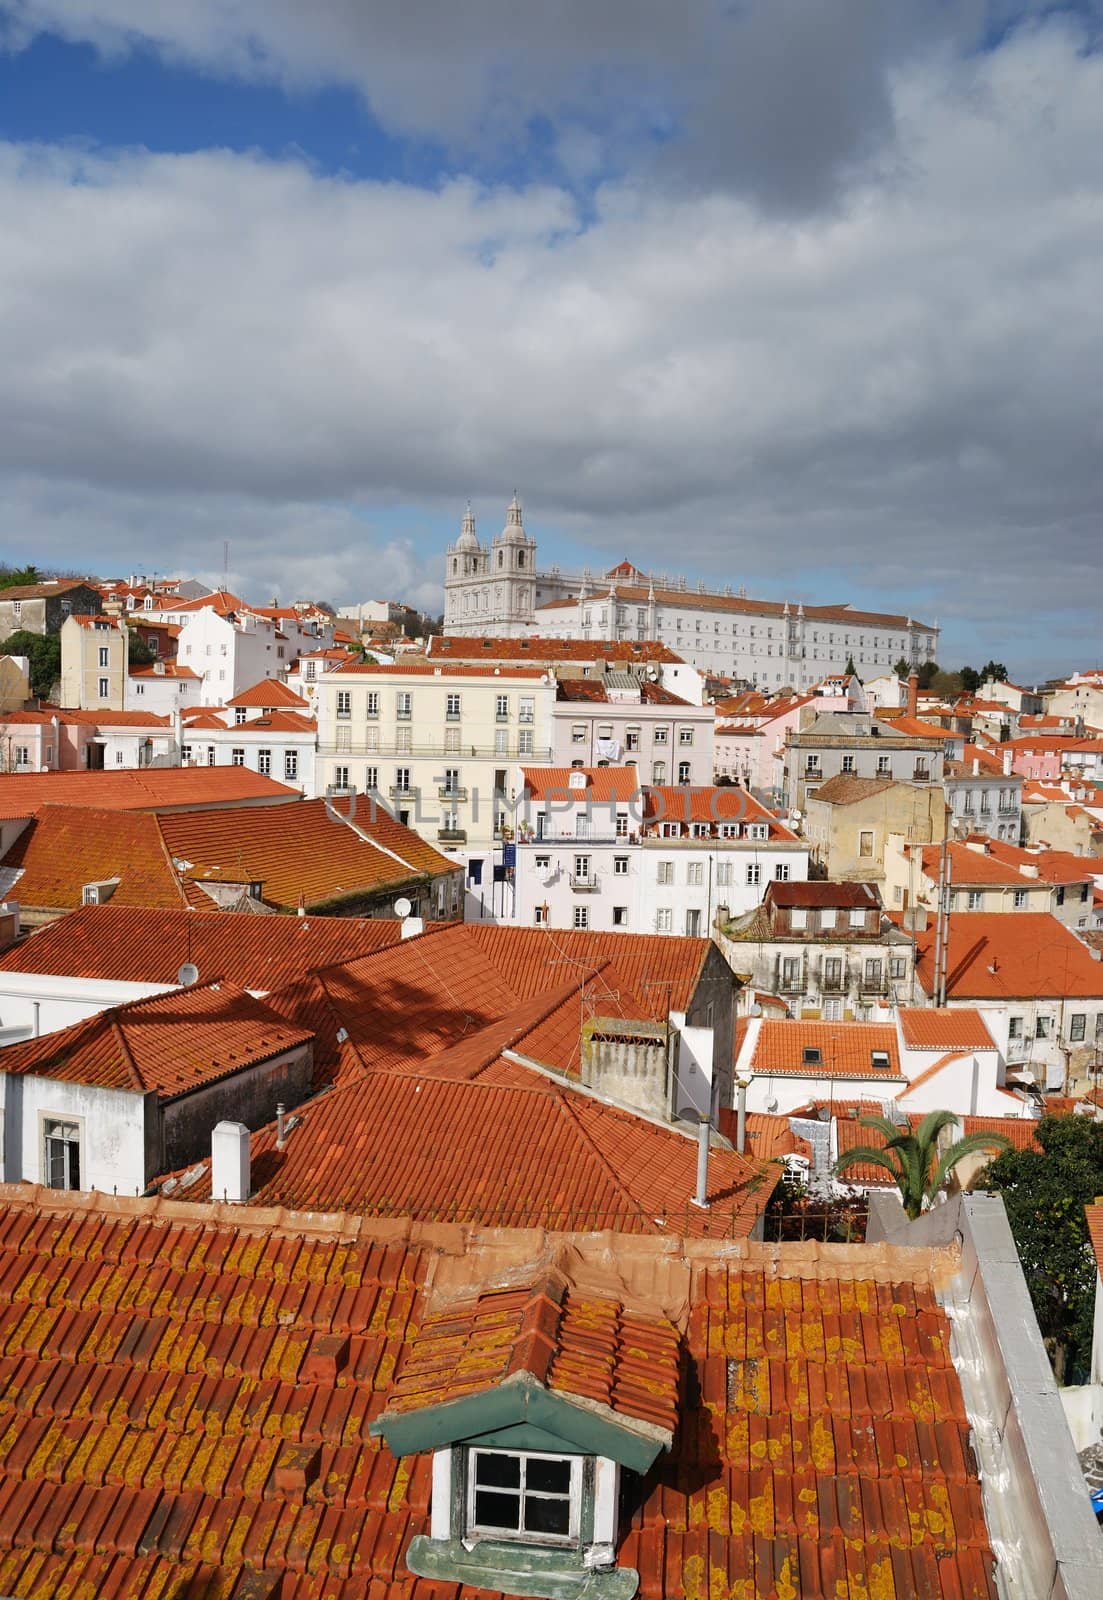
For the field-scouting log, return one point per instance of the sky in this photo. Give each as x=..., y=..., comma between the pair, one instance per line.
x=804, y=298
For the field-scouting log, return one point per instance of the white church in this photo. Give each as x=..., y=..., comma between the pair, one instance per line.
x=499, y=593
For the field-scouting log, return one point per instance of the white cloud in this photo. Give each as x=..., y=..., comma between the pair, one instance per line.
x=903, y=388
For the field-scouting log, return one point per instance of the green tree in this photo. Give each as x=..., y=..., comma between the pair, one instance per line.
x=970, y=680
x=1044, y=1193
x=912, y=1159
x=927, y=673
x=903, y=667
x=993, y=671
x=851, y=669
x=138, y=653
x=11, y=577
x=44, y=653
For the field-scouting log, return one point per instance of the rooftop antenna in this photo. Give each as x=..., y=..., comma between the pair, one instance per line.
x=226, y=565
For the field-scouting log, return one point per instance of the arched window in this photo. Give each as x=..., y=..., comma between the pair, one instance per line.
x=455, y=566
x=501, y=558
x=520, y=558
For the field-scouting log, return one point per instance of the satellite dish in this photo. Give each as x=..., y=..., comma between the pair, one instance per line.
x=188, y=974
x=795, y=814
x=402, y=907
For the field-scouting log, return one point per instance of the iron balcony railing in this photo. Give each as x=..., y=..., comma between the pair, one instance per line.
x=440, y=750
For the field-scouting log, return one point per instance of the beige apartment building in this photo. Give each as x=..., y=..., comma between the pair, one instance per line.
x=439, y=745
x=93, y=663
x=852, y=823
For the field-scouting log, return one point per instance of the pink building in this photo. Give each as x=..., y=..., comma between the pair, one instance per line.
x=79, y=741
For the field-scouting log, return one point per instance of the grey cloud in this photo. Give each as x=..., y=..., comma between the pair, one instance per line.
x=779, y=99
x=903, y=392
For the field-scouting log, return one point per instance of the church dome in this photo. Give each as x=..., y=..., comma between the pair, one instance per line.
x=467, y=539
x=513, y=532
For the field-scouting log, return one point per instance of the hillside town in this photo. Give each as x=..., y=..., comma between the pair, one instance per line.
x=543, y=1101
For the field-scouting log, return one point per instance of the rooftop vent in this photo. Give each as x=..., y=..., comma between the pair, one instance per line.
x=812, y=1055
x=230, y=1162
x=879, y=1059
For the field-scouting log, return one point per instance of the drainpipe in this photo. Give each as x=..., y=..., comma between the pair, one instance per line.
x=701, y=1197
x=741, y=1086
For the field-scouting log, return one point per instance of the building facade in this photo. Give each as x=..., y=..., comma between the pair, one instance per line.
x=93, y=663
x=499, y=590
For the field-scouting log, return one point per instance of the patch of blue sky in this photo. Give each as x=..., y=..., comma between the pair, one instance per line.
x=57, y=92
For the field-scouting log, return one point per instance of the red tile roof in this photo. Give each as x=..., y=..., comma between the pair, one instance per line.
x=187, y=1405
x=66, y=847
x=817, y=894
x=846, y=790
x=125, y=943
x=425, y=669
x=524, y=1152
x=269, y=692
x=302, y=852
x=456, y=648
x=585, y=1347
x=1010, y=955
x=944, y=1028
x=148, y=789
x=845, y=1049
x=708, y=804
x=603, y=784
x=170, y=1043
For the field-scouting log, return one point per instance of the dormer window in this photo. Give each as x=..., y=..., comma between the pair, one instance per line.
x=530, y=1425
x=525, y=1496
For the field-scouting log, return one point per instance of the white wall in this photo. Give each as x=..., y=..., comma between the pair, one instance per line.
x=54, y=1001
x=112, y=1131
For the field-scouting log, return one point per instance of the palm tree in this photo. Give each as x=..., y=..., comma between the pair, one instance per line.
x=912, y=1159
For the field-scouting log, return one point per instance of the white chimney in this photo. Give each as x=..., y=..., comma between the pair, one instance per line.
x=412, y=926
x=701, y=1198
x=230, y=1162
x=1007, y=756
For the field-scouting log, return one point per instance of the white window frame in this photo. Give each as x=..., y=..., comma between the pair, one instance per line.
x=569, y=1540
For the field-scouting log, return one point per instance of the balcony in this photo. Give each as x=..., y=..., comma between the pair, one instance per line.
x=452, y=835
x=921, y=775
x=447, y=793
x=835, y=984
x=401, y=791
x=584, y=885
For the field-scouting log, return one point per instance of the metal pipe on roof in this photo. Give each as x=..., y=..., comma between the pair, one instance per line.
x=741, y=1085
x=701, y=1198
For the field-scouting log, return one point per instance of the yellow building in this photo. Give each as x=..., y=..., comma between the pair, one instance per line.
x=439, y=745
x=850, y=822
x=93, y=663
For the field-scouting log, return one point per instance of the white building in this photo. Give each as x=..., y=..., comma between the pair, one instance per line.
x=766, y=643
x=162, y=688
x=266, y=729
x=439, y=745
x=594, y=850
x=916, y=1062
x=619, y=717
x=230, y=645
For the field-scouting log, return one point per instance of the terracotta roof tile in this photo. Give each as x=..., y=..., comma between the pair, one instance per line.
x=602, y=785
x=269, y=692
x=171, y=1043
x=523, y=1152
x=581, y=1346
x=66, y=847
x=1010, y=955
x=843, y=1049
x=844, y=790
x=302, y=851
x=944, y=1028
x=139, y=945
x=186, y=1406
x=148, y=789
x=452, y=647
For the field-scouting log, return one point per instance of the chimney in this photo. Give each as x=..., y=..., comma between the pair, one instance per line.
x=913, y=693
x=1007, y=755
x=742, y=1085
x=701, y=1198
x=230, y=1162
x=412, y=926
x=281, y=1125
x=976, y=766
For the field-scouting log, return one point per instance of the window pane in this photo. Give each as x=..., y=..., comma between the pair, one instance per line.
x=552, y=1477
x=498, y=1509
x=499, y=1471
x=547, y=1516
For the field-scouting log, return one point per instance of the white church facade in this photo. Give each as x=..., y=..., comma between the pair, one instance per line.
x=498, y=592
